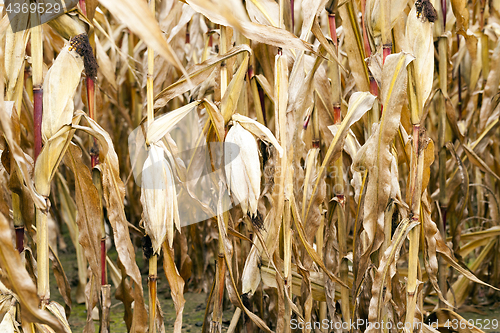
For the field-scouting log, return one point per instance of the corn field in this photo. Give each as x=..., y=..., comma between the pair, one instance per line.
x=308, y=165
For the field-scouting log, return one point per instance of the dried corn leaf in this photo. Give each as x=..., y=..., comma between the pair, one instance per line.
x=162, y=125
x=310, y=250
x=375, y=155
x=231, y=286
x=24, y=164
x=176, y=284
x=222, y=13
x=230, y=99
x=88, y=204
x=137, y=16
x=354, y=48
x=259, y=130
x=16, y=38
x=488, y=112
x=387, y=270
x=196, y=74
x=359, y=104
x=461, y=11
x=18, y=280
x=114, y=196
x=61, y=280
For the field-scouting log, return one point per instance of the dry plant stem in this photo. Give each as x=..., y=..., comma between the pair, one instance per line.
x=149, y=83
x=320, y=236
x=134, y=109
x=216, y=324
x=416, y=174
x=83, y=7
x=152, y=283
x=485, y=57
x=153, y=265
x=43, y=287
x=283, y=205
x=234, y=321
x=443, y=84
x=223, y=70
x=385, y=13
x=459, y=82
x=256, y=97
x=96, y=180
x=366, y=43
x=37, y=58
x=287, y=260
x=37, y=115
x=42, y=234
x=334, y=72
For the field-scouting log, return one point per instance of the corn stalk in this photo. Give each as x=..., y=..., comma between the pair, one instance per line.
x=342, y=232
x=153, y=260
x=43, y=286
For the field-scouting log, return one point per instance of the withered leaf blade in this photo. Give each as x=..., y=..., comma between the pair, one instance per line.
x=196, y=74
x=136, y=15
x=18, y=280
x=222, y=14
x=176, y=284
x=89, y=209
x=114, y=198
x=375, y=155
x=62, y=281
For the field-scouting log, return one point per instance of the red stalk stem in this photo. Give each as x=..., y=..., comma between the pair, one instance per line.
x=103, y=261
x=333, y=29
x=387, y=50
x=337, y=116
x=20, y=239
x=373, y=86
x=368, y=51
x=83, y=7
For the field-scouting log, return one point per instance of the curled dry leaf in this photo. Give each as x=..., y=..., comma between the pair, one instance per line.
x=230, y=99
x=114, y=196
x=221, y=13
x=259, y=130
x=162, y=125
x=386, y=270
x=22, y=161
x=89, y=209
x=375, y=155
x=136, y=15
x=359, y=104
x=176, y=284
x=354, y=48
x=18, y=280
x=196, y=74
x=16, y=38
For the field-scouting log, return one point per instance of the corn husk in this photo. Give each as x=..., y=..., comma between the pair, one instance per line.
x=242, y=165
x=159, y=198
x=59, y=88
